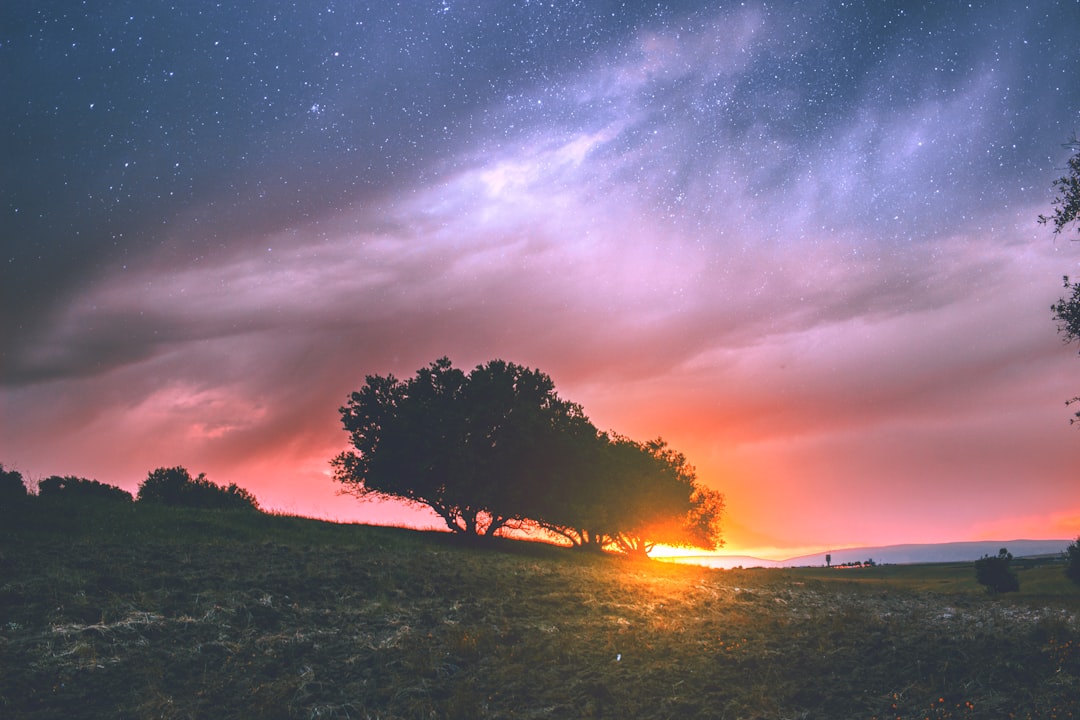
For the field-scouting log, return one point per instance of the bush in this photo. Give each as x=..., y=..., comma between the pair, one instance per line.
x=76, y=487
x=1072, y=562
x=12, y=488
x=994, y=573
x=175, y=486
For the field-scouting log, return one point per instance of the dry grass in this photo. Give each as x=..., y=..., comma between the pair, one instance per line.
x=356, y=622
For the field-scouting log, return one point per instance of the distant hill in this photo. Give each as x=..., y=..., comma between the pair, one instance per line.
x=893, y=554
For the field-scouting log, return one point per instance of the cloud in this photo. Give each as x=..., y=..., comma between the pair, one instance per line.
x=804, y=252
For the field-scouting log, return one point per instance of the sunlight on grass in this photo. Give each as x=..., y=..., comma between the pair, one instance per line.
x=193, y=614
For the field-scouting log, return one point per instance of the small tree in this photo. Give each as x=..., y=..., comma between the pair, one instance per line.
x=656, y=499
x=1072, y=562
x=175, y=486
x=994, y=574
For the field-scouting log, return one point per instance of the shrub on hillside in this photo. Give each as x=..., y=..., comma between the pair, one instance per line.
x=76, y=487
x=175, y=486
x=1072, y=562
x=12, y=488
x=993, y=572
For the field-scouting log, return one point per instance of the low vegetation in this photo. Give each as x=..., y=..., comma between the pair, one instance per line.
x=175, y=486
x=138, y=610
x=1072, y=561
x=994, y=573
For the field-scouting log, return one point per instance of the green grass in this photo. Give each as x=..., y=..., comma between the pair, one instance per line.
x=140, y=611
x=1038, y=579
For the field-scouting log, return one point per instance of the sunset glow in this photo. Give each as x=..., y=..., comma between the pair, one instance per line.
x=800, y=246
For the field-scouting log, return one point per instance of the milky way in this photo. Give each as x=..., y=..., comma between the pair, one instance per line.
x=798, y=240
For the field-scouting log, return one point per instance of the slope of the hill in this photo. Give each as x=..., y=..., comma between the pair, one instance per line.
x=138, y=612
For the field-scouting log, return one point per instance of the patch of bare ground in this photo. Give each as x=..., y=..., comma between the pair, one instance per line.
x=394, y=624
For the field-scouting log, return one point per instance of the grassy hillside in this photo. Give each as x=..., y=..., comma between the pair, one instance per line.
x=137, y=612
x=1042, y=581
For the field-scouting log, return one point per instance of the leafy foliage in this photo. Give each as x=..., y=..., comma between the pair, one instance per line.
x=69, y=486
x=12, y=487
x=498, y=448
x=994, y=574
x=632, y=496
x=471, y=447
x=1072, y=561
x=175, y=486
x=1067, y=201
x=474, y=448
x=1067, y=314
x=1067, y=211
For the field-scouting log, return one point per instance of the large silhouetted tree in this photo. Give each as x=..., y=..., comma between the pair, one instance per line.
x=478, y=449
x=1066, y=204
x=498, y=448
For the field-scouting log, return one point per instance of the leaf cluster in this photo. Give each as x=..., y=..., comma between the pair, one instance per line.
x=1066, y=202
x=1067, y=312
x=498, y=448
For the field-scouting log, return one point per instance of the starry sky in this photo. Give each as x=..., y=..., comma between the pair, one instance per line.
x=798, y=240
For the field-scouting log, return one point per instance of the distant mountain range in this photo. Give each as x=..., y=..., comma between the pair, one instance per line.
x=892, y=554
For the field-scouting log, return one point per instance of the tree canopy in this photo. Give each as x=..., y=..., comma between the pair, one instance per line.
x=633, y=496
x=498, y=448
x=471, y=447
x=657, y=499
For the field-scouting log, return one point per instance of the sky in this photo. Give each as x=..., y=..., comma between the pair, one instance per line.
x=797, y=240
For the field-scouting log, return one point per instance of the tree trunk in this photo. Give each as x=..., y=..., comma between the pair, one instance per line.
x=469, y=516
x=449, y=517
x=494, y=526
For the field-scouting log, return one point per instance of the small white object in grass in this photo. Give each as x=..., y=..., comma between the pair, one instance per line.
x=618, y=657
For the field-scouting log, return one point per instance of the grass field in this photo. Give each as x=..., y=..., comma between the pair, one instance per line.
x=134, y=611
